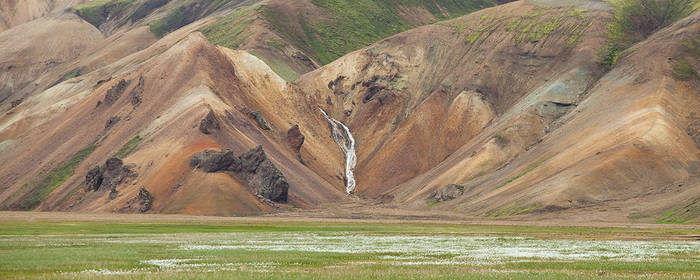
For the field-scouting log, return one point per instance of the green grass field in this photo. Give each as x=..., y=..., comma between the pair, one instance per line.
x=235, y=249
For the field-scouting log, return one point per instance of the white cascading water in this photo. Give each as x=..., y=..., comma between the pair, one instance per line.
x=344, y=139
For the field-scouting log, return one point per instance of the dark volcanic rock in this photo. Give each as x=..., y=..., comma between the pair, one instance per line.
x=145, y=200
x=112, y=122
x=115, y=173
x=141, y=202
x=253, y=166
x=258, y=118
x=93, y=179
x=294, y=138
x=213, y=161
x=263, y=176
x=115, y=92
x=448, y=192
x=16, y=102
x=113, y=193
x=210, y=123
x=137, y=92
x=109, y=177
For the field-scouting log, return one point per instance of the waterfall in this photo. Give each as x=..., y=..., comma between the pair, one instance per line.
x=341, y=135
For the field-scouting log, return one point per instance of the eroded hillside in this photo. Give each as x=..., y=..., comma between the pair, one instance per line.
x=212, y=107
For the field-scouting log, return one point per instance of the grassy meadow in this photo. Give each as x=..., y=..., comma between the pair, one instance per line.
x=258, y=249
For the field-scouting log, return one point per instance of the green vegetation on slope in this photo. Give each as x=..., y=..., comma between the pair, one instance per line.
x=682, y=215
x=70, y=75
x=356, y=24
x=51, y=181
x=96, y=12
x=228, y=31
x=129, y=147
x=513, y=210
x=519, y=175
x=635, y=20
x=185, y=14
x=682, y=70
x=146, y=8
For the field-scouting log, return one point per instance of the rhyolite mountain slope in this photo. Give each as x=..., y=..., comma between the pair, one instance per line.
x=506, y=109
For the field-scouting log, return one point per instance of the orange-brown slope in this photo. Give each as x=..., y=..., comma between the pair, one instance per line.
x=178, y=88
x=415, y=98
x=626, y=151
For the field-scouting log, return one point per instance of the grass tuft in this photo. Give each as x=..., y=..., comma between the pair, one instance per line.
x=129, y=147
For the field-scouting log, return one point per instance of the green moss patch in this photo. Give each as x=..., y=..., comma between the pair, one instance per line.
x=229, y=31
x=184, y=15
x=513, y=210
x=635, y=20
x=682, y=215
x=518, y=176
x=129, y=147
x=682, y=70
x=146, y=8
x=96, y=12
x=51, y=181
x=356, y=24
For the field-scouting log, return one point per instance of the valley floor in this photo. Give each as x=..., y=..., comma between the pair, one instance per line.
x=48, y=245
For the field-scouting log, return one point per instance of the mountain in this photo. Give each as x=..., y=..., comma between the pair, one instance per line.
x=532, y=109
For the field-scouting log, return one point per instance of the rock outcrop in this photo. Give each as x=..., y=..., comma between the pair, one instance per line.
x=294, y=138
x=137, y=92
x=112, y=122
x=93, y=179
x=115, y=92
x=110, y=176
x=448, y=192
x=212, y=161
x=145, y=200
x=210, y=123
x=258, y=118
x=141, y=202
x=260, y=174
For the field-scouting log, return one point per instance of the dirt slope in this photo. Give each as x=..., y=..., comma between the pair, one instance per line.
x=509, y=104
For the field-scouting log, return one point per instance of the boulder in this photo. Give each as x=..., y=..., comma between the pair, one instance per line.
x=263, y=176
x=446, y=193
x=210, y=123
x=112, y=175
x=260, y=174
x=112, y=122
x=115, y=92
x=294, y=138
x=145, y=200
x=136, y=93
x=93, y=179
x=258, y=118
x=213, y=161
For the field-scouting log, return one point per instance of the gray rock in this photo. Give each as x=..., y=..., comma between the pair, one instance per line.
x=263, y=176
x=212, y=161
x=254, y=167
x=210, y=123
x=115, y=92
x=294, y=138
x=137, y=92
x=112, y=122
x=93, y=179
x=446, y=193
x=145, y=200
x=258, y=118
x=112, y=175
